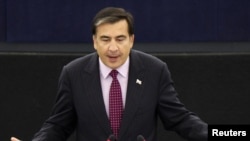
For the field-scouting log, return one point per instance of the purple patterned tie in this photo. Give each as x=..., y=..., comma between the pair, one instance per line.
x=115, y=103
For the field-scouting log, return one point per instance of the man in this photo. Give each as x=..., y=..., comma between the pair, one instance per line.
x=143, y=90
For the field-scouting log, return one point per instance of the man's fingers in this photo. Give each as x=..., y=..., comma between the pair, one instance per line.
x=14, y=139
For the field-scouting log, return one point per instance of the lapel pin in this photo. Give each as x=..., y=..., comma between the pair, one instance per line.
x=138, y=81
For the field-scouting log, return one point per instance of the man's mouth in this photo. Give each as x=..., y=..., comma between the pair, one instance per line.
x=113, y=58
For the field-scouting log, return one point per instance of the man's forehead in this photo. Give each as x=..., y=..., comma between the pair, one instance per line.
x=120, y=26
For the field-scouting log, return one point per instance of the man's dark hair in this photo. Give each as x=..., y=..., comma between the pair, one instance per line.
x=113, y=15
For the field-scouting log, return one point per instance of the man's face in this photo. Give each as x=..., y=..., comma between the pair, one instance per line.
x=113, y=43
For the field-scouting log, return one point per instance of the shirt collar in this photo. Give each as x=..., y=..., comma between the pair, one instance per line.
x=105, y=70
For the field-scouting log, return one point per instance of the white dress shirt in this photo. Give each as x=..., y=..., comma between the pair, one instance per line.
x=106, y=80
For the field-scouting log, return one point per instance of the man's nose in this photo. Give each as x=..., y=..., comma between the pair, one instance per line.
x=113, y=46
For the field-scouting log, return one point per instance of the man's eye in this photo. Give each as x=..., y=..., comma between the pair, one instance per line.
x=120, y=39
x=105, y=39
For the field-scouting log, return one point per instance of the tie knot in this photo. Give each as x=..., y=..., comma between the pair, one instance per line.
x=113, y=74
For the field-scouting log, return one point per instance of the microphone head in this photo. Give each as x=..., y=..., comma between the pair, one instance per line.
x=111, y=138
x=140, y=138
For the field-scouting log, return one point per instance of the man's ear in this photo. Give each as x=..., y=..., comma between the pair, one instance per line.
x=94, y=41
x=132, y=38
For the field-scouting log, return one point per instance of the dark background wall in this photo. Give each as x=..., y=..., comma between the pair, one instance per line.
x=205, y=43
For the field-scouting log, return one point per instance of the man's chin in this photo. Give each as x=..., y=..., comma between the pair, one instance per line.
x=113, y=65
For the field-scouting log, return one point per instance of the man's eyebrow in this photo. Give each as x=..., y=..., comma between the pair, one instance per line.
x=104, y=36
x=121, y=36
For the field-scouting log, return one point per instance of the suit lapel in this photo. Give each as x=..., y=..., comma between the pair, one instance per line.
x=134, y=91
x=95, y=94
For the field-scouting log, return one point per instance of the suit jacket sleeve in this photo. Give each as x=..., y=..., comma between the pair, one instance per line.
x=173, y=113
x=61, y=122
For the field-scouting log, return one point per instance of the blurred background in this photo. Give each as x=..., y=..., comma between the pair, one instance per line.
x=205, y=44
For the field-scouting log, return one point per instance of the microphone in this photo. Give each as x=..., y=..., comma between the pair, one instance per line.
x=140, y=138
x=111, y=138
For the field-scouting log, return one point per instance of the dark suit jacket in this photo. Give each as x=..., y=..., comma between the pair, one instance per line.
x=80, y=106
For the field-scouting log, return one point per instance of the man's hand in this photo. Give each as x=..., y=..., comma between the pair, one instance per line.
x=14, y=139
